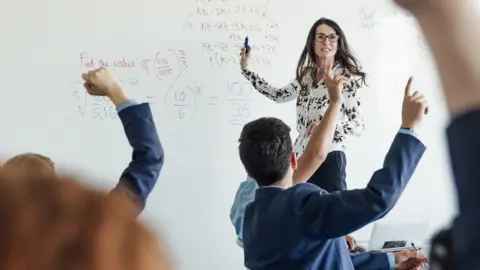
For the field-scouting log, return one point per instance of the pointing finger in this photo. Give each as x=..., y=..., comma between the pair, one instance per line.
x=322, y=66
x=329, y=67
x=408, y=87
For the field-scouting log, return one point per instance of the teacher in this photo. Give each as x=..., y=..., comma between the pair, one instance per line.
x=326, y=53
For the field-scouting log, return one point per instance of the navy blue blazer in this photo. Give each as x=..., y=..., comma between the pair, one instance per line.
x=303, y=227
x=464, y=145
x=148, y=157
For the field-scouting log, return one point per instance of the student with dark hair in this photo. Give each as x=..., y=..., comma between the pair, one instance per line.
x=326, y=45
x=302, y=226
x=314, y=155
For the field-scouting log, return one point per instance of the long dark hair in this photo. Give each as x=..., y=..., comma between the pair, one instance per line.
x=307, y=64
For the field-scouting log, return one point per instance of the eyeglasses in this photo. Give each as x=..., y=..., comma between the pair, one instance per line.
x=331, y=38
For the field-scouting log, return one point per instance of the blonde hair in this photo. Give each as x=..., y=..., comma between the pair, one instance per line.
x=52, y=223
x=29, y=163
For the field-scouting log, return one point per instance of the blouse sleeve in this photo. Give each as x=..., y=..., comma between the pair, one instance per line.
x=279, y=95
x=353, y=123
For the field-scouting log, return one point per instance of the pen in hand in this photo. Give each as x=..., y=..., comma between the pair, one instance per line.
x=418, y=250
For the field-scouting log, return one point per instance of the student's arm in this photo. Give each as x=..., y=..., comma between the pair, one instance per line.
x=370, y=260
x=322, y=137
x=452, y=30
x=279, y=95
x=317, y=148
x=139, y=178
x=323, y=216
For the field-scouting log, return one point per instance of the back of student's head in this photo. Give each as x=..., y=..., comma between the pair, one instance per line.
x=266, y=150
x=29, y=163
x=48, y=223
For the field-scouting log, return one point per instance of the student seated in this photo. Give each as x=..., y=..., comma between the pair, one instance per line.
x=139, y=178
x=321, y=136
x=53, y=223
x=303, y=227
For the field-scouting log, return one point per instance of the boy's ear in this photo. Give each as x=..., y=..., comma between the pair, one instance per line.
x=248, y=174
x=293, y=161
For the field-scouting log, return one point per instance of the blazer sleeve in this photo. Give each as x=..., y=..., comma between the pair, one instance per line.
x=323, y=216
x=141, y=175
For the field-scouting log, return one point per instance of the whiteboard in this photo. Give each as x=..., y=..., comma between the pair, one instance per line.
x=182, y=57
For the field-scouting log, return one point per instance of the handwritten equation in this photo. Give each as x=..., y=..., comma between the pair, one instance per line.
x=182, y=103
x=221, y=60
x=166, y=65
x=78, y=103
x=227, y=11
x=222, y=27
x=240, y=102
x=226, y=47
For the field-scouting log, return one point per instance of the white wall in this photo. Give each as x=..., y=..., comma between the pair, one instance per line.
x=42, y=43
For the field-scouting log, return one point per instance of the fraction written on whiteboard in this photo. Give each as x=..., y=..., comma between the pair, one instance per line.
x=240, y=102
x=79, y=104
x=180, y=103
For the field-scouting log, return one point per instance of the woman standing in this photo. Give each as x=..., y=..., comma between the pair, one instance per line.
x=326, y=53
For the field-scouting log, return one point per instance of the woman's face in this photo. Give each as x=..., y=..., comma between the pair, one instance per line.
x=326, y=41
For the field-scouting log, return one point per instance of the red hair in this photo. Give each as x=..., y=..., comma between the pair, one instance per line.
x=52, y=223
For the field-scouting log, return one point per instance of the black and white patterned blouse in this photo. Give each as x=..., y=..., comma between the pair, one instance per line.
x=312, y=105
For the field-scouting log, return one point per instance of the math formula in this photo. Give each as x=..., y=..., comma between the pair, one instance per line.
x=234, y=104
x=79, y=104
x=165, y=65
x=180, y=102
x=239, y=102
x=222, y=26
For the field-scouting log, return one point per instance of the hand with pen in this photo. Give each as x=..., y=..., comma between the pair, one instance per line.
x=244, y=54
x=409, y=259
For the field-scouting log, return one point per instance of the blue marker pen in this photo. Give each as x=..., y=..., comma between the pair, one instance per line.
x=246, y=43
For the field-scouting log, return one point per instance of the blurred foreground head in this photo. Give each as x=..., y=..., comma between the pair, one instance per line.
x=51, y=223
x=28, y=163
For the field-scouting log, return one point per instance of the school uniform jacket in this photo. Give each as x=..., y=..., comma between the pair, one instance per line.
x=141, y=175
x=303, y=227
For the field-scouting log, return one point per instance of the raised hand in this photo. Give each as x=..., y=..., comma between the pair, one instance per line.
x=244, y=55
x=99, y=82
x=414, y=107
x=102, y=82
x=335, y=84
